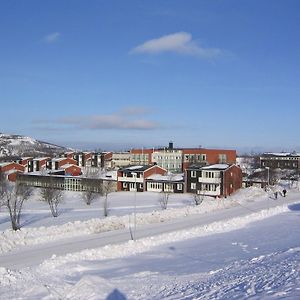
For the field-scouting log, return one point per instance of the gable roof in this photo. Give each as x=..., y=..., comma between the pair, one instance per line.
x=139, y=169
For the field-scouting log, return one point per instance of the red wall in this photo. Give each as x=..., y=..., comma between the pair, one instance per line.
x=212, y=155
x=12, y=166
x=233, y=176
x=154, y=170
x=73, y=170
x=67, y=161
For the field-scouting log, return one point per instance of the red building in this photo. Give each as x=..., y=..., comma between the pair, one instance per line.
x=11, y=169
x=179, y=159
x=218, y=180
x=57, y=163
x=134, y=178
x=71, y=170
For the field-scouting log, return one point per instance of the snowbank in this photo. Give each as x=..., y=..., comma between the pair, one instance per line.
x=10, y=240
x=145, y=244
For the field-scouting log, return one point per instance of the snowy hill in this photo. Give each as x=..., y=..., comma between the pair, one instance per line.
x=17, y=145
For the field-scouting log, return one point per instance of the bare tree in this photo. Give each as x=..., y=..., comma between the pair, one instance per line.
x=166, y=191
x=107, y=188
x=198, y=197
x=53, y=197
x=91, y=194
x=3, y=188
x=14, y=197
x=164, y=199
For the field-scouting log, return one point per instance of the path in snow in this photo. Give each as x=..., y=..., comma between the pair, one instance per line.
x=32, y=255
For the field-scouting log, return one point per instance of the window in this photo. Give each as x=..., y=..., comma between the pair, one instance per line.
x=201, y=157
x=193, y=174
x=193, y=186
x=222, y=158
x=179, y=186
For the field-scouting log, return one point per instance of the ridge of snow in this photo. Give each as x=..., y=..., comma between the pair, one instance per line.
x=10, y=239
x=145, y=244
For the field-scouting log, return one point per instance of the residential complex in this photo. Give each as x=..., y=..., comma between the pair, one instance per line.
x=179, y=159
x=166, y=169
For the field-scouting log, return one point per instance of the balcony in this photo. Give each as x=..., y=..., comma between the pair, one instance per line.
x=209, y=180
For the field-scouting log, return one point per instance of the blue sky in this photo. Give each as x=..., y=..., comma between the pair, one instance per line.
x=119, y=74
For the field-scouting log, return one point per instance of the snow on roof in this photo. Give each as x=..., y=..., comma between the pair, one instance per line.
x=41, y=158
x=68, y=165
x=135, y=167
x=59, y=158
x=172, y=177
x=283, y=154
x=4, y=164
x=13, y=171
x=216, y=166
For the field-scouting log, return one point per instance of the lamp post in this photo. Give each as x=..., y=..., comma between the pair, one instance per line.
x=135, y=190
x=268, y=178
x=268, y=182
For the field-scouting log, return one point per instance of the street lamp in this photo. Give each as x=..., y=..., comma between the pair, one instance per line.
x=268, y=180
x=135, y=190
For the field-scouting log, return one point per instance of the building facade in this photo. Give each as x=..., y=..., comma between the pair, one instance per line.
x=284, y=160
x=169, y=183
x=134, y=178
x=218, y=180
x=179, y=159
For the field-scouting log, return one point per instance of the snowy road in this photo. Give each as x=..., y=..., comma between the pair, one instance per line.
x=33, y=255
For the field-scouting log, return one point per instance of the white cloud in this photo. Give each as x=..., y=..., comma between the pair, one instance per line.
x=180, y=42
x=118, y=120
x=130, y=117
x=52, y=37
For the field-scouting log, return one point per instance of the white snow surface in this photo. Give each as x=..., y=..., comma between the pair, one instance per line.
x=216, y=166
x=10, y=239
x=254, y=256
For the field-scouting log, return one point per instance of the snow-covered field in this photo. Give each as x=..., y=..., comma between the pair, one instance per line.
x=247, y=246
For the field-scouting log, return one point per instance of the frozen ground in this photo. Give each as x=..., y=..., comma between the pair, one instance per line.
x=230, y=255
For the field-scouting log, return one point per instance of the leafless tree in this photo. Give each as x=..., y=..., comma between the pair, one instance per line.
x=164, y=199
x=107, y=188
x=91, y=194
x=166, y=191
x=198, y=197
x=53, y=197
x=3, y=187
x=13, y=198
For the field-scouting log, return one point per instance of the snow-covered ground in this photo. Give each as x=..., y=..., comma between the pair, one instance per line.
x=251, y=255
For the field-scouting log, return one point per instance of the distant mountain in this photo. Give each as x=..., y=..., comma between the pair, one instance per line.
x=18, y=145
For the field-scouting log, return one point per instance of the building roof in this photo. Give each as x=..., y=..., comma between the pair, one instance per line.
x=140, y=169
x=41, y=158
x=69, y=165
x=59, y=158
x=4, y=164
x=280, y=154
x=169, y=178
x=209, y=167
x=135, y=168
x=216, y=167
